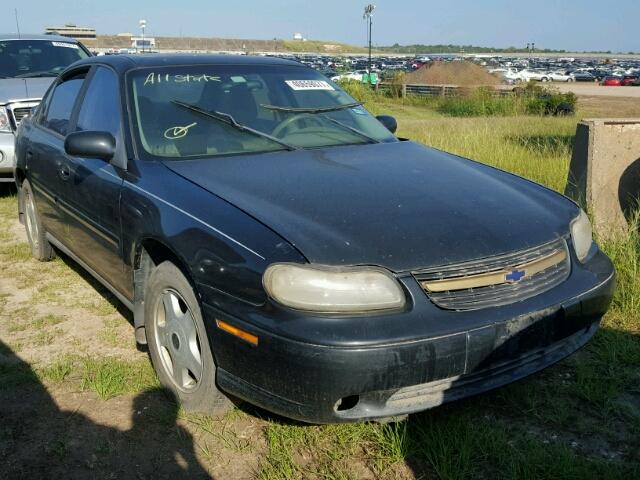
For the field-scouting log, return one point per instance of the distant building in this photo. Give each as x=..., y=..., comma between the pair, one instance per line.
x=73, y=31
x=299, y=37
x=124, y=34
x=139, y=44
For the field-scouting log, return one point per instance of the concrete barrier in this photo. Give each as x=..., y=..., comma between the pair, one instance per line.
x=604, y=174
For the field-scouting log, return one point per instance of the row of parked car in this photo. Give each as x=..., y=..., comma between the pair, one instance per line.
x=512, y=70
x=513, y=76
x=610, y=72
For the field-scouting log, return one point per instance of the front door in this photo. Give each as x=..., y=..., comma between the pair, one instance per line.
x=94, y=200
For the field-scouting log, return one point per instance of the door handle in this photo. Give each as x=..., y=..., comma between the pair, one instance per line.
x=64, y=172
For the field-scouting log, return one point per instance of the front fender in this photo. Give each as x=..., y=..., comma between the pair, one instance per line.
x=224, y=250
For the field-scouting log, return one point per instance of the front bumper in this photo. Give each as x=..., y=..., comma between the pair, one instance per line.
x=7, y=156
x=341, y=383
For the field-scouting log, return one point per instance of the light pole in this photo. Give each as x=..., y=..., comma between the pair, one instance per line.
x=143, y=24
x=368, y=14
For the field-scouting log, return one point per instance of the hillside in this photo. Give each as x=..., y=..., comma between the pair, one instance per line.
x=192, y=43
x=322, y=46
x=228, y=44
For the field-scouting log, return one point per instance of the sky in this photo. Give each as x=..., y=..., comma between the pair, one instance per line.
x=575, y=25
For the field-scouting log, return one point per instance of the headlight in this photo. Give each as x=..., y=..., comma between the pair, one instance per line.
x=5, y=126
x=329, y=289
x=581, y=235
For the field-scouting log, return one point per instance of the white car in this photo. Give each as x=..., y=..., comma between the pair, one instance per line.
x=517, y=76
x=356, y=75
x=562, y=76
x=524, y=76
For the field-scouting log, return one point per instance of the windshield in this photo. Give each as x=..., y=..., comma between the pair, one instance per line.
x=184, y=112
x=37, y=58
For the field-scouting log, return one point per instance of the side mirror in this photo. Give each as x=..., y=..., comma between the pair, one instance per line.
x=389, y=122
x=100, y=145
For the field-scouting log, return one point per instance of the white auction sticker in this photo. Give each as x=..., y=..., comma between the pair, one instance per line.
x=309, y=85
x=64, y=44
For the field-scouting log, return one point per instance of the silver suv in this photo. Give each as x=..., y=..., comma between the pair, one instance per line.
x=28, y=65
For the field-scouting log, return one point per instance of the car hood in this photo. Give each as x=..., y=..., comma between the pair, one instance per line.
x=12, y=89
x=399, y=205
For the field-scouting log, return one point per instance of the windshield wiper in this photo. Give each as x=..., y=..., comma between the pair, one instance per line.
x=332, y=108
x=316, y=110
x=352, y=129
x=229, y=120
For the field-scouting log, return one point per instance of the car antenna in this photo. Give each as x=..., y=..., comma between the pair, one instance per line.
x=15, y=10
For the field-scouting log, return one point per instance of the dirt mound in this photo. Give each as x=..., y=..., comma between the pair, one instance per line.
x=452, y=73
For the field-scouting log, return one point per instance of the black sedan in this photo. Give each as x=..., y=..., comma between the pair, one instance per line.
x=278, y=244
x=584, y=77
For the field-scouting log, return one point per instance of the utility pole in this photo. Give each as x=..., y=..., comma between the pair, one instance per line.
x=368, y=14
x=15, y=10
x=143, y=24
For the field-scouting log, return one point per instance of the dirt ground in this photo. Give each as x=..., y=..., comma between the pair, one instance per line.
x=609, y=107
x=593, y=89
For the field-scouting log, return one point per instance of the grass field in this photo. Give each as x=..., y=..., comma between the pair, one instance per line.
x=66, y=349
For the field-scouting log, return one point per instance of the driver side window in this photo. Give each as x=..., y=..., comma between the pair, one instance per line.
x=60, y=105
x=100, y=110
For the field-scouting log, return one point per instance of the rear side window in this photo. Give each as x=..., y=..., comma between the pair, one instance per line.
x=100, y=109
x=61, y=105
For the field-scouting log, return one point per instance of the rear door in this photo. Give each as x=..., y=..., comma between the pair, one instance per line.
x=94, y=198
x=47, y=166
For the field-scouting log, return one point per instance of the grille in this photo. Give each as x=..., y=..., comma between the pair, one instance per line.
x=18, y=111
x=495, y=281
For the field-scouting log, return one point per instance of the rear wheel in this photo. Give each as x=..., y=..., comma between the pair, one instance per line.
x=178, y=343
x=40, y=246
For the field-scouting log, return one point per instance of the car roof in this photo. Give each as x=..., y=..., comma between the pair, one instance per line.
x=123, y=63
x=22, y=36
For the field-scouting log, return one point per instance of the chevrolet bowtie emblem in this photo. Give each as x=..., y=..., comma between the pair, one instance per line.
x=515, y=276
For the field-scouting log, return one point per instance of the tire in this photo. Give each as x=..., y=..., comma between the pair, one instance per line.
x=545, y=79
x=41, y=249
x=570, y=80
x=183, y=362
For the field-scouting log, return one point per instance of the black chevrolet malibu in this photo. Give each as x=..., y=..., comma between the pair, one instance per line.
x=278, y=244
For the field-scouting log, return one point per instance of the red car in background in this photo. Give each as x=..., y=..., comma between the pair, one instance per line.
x=629, y=80
x=612, y=81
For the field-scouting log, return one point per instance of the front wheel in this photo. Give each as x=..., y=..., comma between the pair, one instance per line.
x=178, y=343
